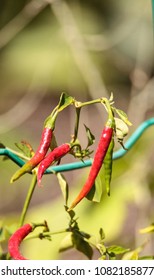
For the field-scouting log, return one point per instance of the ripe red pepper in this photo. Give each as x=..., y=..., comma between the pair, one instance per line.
x=101, y=151
x=38, y=156
x=54, y=155
x=16, y=239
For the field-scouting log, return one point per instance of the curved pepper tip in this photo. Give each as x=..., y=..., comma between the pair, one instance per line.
x=72, y=206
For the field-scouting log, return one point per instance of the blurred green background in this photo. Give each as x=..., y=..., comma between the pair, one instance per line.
x=88, y=49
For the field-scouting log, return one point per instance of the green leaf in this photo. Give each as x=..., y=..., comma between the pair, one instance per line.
x=64, y=186
x=102, y=234
x=81, y=245
x=117, y=250
x=65, y=100
x=66, y=243
x=85, y=235
x=96, y=191
x=71, y=213
x=123, y=116
x=90, y=136
x=25, y=148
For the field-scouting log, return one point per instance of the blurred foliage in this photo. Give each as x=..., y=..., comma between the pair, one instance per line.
x=41, y=47
x=117, y=40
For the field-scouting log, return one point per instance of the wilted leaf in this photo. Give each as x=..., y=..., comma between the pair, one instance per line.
x=90, y=136
x=66, y=243
x=63, y=185
x=123, y=116
x=121, y=128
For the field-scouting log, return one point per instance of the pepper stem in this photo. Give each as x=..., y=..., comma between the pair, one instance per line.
x=82, y=104
x=110, y=121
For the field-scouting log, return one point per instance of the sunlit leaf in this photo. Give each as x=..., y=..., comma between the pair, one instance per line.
x=117, y=250
x=148, y=229
x=123, y=116
x=134, y=256
x=65, y=100
x=103, y=257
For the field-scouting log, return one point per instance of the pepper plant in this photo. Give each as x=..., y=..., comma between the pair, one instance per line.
x=48, y=154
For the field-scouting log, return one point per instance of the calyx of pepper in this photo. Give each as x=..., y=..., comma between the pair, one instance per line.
x=78, y=152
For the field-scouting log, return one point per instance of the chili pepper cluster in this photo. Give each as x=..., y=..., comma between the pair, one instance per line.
x=40, y=161
x=43, y=158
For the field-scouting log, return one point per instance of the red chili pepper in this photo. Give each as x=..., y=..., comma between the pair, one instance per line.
x=54, y=155
x=39, y=155
x=102, y=148
x=16, y=239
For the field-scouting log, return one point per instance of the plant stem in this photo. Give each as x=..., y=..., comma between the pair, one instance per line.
x=78, y=110
x=47, y=234
x=108, y=107
x=81, y=104
x=28, y=199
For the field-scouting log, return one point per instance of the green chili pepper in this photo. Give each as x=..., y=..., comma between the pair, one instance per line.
x=108, y=166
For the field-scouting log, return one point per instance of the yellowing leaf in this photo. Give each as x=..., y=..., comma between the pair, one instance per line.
x=148, y=229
